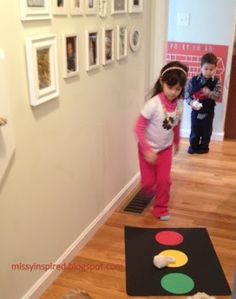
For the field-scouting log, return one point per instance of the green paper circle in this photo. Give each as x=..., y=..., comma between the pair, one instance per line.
x=177, y=283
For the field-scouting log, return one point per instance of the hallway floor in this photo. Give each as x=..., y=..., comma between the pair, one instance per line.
x=203, y=195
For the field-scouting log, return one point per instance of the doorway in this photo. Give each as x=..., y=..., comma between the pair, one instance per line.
x=230, y=119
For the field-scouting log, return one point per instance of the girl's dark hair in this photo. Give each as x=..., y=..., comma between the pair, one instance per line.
x=171, y=77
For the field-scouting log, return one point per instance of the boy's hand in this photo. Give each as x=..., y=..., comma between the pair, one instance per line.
x=206, y=91
x=150, y=157
x=195, y=105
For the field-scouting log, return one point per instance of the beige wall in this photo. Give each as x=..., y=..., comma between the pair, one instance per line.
x=73, y=154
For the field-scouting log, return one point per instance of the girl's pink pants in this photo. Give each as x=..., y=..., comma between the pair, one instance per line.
x=155, y=180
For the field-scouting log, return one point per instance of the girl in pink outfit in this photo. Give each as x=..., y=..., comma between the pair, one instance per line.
x=157, y=130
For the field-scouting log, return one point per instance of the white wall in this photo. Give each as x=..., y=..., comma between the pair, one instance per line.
x=211, y=22
x=73, y=154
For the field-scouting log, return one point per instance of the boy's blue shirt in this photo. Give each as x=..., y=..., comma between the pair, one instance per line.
x=195, y=85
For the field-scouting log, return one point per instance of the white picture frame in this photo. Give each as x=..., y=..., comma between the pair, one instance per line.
x=103, y=8
x=121, y=41
x=118, y=6
x=91, y=7
x=70, y=54
x=60, y=7
x=108, y=45
x=92, y=49
x=135, y=6
x=35, y=10
x=134, y=39
x=76, y=7
x=41, y=57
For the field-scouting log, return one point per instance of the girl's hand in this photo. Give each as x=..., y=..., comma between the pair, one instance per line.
x=3, y=121
x=206, y=91
x=150, y=157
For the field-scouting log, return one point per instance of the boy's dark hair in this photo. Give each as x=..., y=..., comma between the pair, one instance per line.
x=177, y=74
x=209, y=58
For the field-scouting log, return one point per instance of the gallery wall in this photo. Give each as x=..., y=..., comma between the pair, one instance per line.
x=74, y=153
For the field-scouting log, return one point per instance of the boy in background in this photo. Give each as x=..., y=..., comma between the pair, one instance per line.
x=201, y=93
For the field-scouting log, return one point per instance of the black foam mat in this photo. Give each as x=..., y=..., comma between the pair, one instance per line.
x=143, y=278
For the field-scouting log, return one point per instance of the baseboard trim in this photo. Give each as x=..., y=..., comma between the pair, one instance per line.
x=217, y=136
x=46, y=279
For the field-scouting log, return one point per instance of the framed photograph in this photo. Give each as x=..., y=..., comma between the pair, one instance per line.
x=118, y=6
x=76, y=7
x=60, y=7
x=35, y=10
x=121, y=42
x=102, y=8
x=70, y=54
x=135, y=6
x=107, y=45
x=41, y=56
x=91, y=7
x=92, y=49
x=134, y=39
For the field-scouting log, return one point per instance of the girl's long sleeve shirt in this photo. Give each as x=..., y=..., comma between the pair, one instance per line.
x=150, y=132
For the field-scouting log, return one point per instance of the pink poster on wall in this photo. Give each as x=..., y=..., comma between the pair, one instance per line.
x=190, y=54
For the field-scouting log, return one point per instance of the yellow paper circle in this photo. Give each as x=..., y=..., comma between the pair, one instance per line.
x=180, y=258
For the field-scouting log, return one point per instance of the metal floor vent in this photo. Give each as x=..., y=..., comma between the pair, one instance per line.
x=137, y=204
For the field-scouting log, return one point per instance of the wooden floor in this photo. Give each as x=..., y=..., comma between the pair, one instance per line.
x=203, y=195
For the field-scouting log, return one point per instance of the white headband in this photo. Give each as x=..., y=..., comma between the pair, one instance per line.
x=174, y=68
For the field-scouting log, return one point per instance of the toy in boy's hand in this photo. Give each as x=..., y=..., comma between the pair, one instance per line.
x=161, y=261
x=3, y=121
x=196, y=105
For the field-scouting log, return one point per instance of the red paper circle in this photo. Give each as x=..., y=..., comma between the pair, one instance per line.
x=169, y=238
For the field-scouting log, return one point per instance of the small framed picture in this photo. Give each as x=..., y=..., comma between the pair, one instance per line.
x=134, y=39
x=41, y=55
x=118, y=6
x=91, y=7
x=35, y=10
x=60, y=7
x=135, y=6
x=107, y=45
x=76, y=7
x=92, y=49
x=70, y=54
x=121, y=41
x=102, y=8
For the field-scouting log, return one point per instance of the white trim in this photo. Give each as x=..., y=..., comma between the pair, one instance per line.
x=158, y=38
x=46, y=279
x=217, y=136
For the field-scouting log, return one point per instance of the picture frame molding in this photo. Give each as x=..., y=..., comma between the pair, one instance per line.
x=104, y=61
x=91, y=11
x=33, y=44
x=113, y=11
x=134, y=8
x=118, y=56
x=75, y=11
x=28, y=13
x=67, y=74
x=97, y=65
x=60, y=11
x=134, y=47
